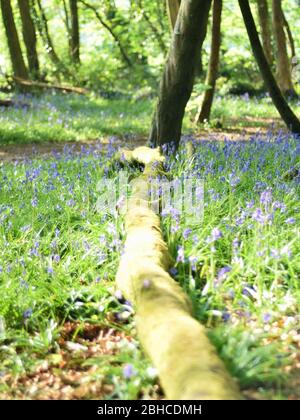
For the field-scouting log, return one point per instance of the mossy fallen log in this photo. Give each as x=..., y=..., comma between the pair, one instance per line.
x=187, y=363
x=32, y=84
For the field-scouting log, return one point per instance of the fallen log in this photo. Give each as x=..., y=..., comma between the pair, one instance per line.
x=187, y=363
x=31, y=84
x=9, y=102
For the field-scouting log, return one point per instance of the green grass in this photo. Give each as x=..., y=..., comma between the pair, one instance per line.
x=60, y=117
x=59, y=256
x=57, y=117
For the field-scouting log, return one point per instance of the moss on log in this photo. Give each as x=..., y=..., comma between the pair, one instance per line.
x=187, y=363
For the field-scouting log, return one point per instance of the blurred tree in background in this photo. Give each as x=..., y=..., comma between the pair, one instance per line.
x=119, y=47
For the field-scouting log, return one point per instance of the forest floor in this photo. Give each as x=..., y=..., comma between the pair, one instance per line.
x=17, y=152
x=65, y=332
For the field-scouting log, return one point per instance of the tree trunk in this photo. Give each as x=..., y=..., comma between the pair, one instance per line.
x=45, y=35
x=42, y=26
x=290, y=36
x=173, y=9
x=156, y=32
x=179, y=72
x=110, y=30
x=29, y=37
x=18, y=64
x=74, y=32
x=67, y=24
x=187, y=363
x=265, y=28
x=279, y=101
x=284, y=75
x=213, y=65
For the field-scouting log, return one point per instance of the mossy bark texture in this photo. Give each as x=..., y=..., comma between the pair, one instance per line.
x=187, y=363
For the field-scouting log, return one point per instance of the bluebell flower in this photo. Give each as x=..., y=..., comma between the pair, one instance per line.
x=34, y=202
x=215, y=235
x=128, y=371
x=222, y=273
x=186, y=233
x=180, y=254
x=173, y=271
x=266, y=197
x=27, y=314
x=267, y=317
x=290, y=221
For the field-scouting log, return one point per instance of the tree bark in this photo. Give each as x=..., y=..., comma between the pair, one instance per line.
x=36, y=85
x=43, y=29
x=279, y=101
x=44, y=33
x=290, y=36
x=179, y=72
x=187, y=363
x=173, y=9
x=284, y=74
x=265, y=28
x=18, y=64
x=75, y=41
x=29, y=37
x=67, y=24
x=213, y=65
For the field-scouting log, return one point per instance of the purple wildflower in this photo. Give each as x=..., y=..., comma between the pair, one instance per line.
x=173, y=271
x=215, y=235
x=250, y=204
x=266, y=197
x=262, y=218
x=128, y=371
x=186, y=233
x=277, y=205
x=71, y=203
x=226, y=316
x=193, y=261
x=222, y=273
x=290, y=221
x=34, y=202
x=234, y=180
x=27, y=314
x=267, y=317
x=180, y=254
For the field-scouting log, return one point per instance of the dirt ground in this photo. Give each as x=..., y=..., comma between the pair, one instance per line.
x=19, y=152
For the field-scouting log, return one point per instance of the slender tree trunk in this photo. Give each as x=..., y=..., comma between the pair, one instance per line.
x=279, y=101
x=43, y=29
x=156, y=32
x=45, y=34
x=173, y=9
x=265, y=28
x=213, y=65
x=67, y=24
x=284, y=75
x=110, y=30
x=18, y=64
x=179, y=72
x=290, y=36
x=29, y=37
x=75, y=48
